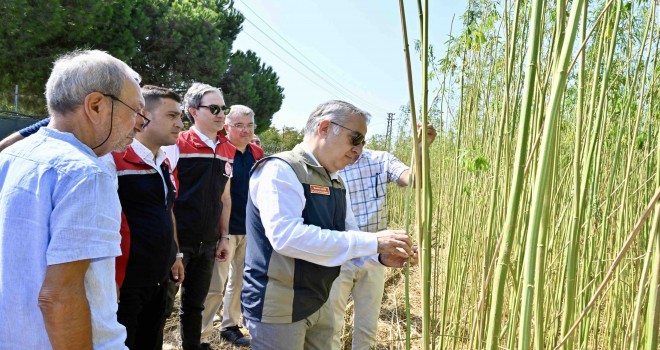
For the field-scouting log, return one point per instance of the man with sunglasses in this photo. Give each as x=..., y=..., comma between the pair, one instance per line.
x=301, y=229
x=60, y=213
x=366, y=180
x=240, y=130
x=146, y=192
x=201, y=161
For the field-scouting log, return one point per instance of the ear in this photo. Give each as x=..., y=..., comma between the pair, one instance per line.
x=324, y=128
x=192, y=112
x=96, y=107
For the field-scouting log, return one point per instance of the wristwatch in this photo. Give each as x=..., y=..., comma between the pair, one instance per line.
x=179, y=255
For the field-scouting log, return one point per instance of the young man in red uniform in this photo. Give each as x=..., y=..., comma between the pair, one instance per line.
x=146, y=192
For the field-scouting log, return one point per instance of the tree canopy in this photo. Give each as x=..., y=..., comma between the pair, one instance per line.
x=171, y=43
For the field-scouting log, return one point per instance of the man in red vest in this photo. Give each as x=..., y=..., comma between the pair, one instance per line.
x=201, y=161
x=240, y=132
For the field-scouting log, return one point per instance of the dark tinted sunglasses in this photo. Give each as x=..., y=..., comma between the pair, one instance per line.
x=215, y=109
x=358, y=138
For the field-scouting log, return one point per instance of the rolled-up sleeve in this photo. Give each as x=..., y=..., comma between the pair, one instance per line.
x=85, y=220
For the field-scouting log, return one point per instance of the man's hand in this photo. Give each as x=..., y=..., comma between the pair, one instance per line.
x=222, y=250
x=430, y=133
x=392, y=260
x=395, y=242
x=178, y=272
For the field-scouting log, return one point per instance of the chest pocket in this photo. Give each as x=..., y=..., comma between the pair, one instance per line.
x=377, y=185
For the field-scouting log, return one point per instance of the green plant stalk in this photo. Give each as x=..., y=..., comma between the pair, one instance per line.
x=538, y=194
x=571, y=263
x=497, y=295
x=539, y=269
x=407, y=274
x=425, y=224
x=634, y=340
x=577, y=148
x=510, y=54
x=653, y=304
x=416, y=164
x=622, y=252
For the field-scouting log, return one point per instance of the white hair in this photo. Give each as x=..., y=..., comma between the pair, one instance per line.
x=238, y=110
x=337, y=111
x=79, y=73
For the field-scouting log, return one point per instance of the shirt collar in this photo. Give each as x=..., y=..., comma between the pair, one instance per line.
x=143, y=152
x=205, y=139
x=68, y=137
x=364, y=151
x=333, y=176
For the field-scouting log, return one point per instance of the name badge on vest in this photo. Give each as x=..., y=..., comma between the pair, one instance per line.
x=316, y=189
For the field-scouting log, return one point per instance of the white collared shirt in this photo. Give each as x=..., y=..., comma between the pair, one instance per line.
x=143, y=152
x=277, y=193
x=172, y=152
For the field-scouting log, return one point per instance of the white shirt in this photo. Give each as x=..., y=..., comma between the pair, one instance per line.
x=277, y=193
x=143, y=152
x=173, y=152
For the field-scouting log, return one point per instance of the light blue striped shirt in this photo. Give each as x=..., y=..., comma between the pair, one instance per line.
x=58, y=204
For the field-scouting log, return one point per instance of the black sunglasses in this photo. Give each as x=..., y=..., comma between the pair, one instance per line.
x=358, y=138
x=215, y=109
x=144, y=118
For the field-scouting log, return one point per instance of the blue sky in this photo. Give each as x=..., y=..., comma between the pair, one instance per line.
x=354, y=49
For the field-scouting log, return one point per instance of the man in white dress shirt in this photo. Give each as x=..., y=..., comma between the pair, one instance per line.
x=300, y=229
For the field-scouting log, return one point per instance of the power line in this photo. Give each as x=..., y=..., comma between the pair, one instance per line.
x=294, y=47
x=310, y=69
x=290, y=66
x=337, y=86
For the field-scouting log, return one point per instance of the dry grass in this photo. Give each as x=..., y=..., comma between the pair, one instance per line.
x=391, y=326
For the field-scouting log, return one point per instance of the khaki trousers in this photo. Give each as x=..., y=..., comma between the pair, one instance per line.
x=366, y=284
x=229, y=273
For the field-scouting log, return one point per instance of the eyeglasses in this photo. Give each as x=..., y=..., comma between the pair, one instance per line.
x=242, y=126
x=144, y=118
x=358, y=138
x=215, y=109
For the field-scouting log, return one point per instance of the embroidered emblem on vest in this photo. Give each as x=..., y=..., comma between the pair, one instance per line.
x=319, y=189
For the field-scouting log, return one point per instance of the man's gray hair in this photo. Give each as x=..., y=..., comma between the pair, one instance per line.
x=238, y=110
x=79, y=73
x=334, y=110
x=194, y=95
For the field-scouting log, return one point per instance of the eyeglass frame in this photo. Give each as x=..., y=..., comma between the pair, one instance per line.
x=242, y=126
x=115, y=98
x=358, y=137
x=223, y=109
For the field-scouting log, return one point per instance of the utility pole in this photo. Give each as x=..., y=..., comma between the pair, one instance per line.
x=388, y=135
x=16, y=99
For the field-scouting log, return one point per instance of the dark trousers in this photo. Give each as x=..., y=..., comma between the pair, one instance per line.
x=198, y=262
x=142, y=311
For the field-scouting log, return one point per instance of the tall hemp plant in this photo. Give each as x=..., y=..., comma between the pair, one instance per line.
x=544, y=181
